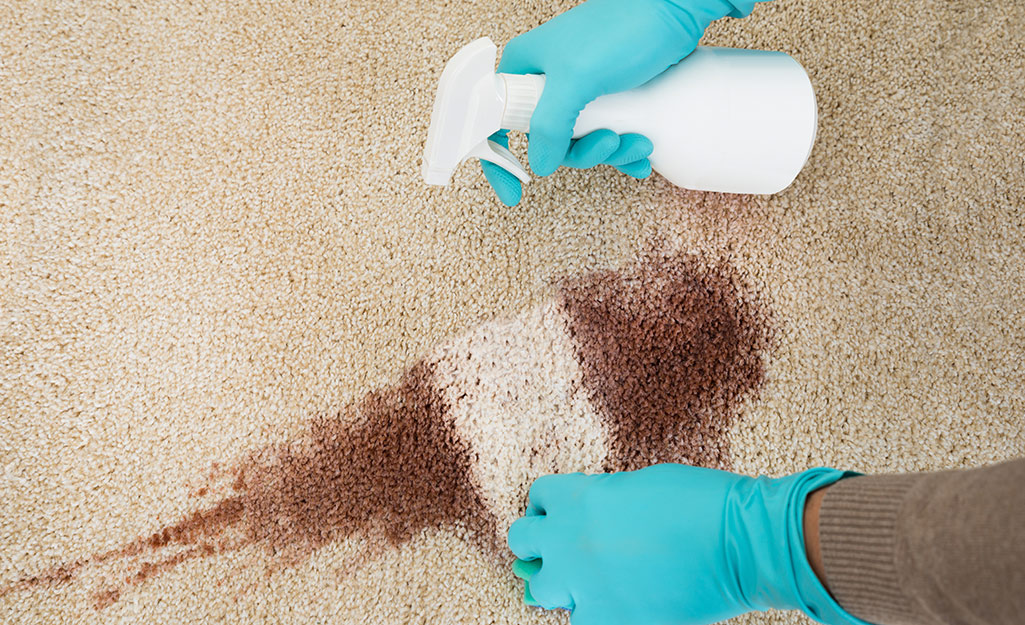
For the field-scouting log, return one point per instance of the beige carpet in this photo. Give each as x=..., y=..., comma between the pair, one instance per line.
x=252, y=369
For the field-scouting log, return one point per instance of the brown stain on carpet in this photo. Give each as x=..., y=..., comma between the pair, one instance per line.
x=669, y=348
x=398, y=468
x=105, y=598
x=392, y=466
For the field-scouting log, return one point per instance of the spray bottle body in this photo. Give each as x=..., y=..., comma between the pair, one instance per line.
x=722, y=119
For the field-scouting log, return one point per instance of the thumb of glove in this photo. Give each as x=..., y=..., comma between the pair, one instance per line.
x=551, y=126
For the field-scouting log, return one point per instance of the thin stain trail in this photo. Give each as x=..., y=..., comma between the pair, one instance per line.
x=669, y=349
x=391, y=466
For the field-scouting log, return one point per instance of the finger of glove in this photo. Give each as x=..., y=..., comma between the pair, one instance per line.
x=519, y=56
x=528, y=598
x=547, y=589
x=551, y=126
x=507, y=186
x=547, y=490
x=632, y=147
x=592, y=149
x=638, y=169
x=526, y=536
x=525, y=569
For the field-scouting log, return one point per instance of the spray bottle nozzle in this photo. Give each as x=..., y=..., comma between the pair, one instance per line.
x=473, y=102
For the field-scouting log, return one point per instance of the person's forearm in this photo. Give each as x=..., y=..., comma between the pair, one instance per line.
x=928, y=548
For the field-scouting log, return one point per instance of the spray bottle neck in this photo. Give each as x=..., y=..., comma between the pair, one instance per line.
x=522, y=91
x=473, y=102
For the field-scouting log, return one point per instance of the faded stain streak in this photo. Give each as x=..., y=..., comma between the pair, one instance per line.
x=669, y=350
x=393, y=465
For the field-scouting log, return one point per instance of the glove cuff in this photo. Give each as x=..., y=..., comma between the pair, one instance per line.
x=766, y=550
x=808, y=593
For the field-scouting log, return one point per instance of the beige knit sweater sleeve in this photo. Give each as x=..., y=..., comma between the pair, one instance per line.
x=946, y=547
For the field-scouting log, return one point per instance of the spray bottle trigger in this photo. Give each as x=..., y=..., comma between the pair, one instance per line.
x=492, y=152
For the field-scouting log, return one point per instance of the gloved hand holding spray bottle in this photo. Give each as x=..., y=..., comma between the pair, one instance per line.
x=603, y=83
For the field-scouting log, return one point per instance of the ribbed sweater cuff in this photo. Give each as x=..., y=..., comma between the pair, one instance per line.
x=858, y=534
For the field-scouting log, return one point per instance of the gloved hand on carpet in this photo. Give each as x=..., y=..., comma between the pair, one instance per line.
x=596, y=48
x=670, y=544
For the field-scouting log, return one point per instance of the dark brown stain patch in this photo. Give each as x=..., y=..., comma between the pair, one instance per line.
x=390, y=467
x=670, y=348
x=399, y=467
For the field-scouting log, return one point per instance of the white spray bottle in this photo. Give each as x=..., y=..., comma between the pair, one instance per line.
x=722, y=119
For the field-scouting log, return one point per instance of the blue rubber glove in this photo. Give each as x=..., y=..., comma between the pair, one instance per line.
x=670, y=544
x=596, y=48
